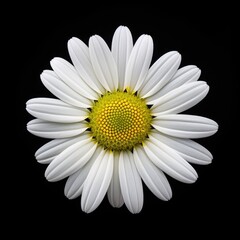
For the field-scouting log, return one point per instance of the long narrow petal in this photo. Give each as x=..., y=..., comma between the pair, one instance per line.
x=47, y=129
x=97, y=182
x=153, y=177
x=130, y=182
x=55, y=110
x=122, y=45
x=114, y=191
x=169, y=161
x=80, y=57
x=50, y=150
x=70, y=160
x=183, y=75
x=61, y=90
x=68, y=74
x=103, y=63
x=190, y=150
x=160, y=73
x=180, y=99
x=185, y=126
x=74, y=185
x=138, y=63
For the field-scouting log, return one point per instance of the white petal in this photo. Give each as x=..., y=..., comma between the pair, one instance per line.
x=114, y=191
x=153, y=177
x=103, y=63
x=55, y=110
x=68, y=74
x=139, y=62
x=79, y=54
x=97, y=182
x=50, y=150
x=122, y=45
x=130, y=182
x=70, y=160
x=184, y=75
x=180, y=99
x=169, y=161
x=47, y=129
x=160, y=73
x=61, y=90
x=191, y=151
x=185, y=126
x=74, y=185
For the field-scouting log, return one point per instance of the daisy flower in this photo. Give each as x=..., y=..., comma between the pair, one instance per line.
x=115, y=122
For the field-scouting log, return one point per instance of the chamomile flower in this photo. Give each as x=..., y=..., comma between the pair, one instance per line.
x=115, y=122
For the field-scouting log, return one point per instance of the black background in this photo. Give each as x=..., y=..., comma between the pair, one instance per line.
x=203, y=36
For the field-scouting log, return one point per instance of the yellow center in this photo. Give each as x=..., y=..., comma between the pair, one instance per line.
x=120, y=120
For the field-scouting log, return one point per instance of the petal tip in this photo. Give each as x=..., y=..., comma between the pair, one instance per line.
x=120, y=27
x=67, y=193
x=51, y=178
x=148, y=38
x=178, y=55
x=208, y=161
x=71, y=41
x=54, y=61
x=174, y=52
x=48, y=174
x=215, y=127
x=85, y=208
x=193, y=178
x=28, y=101
x=44, y=73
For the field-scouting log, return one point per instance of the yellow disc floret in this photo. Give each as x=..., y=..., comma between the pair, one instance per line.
x=120, y=120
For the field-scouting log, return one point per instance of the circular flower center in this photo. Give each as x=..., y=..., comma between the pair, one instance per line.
x=120, y=120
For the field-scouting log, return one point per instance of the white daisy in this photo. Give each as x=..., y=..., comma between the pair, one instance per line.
x=117, y=121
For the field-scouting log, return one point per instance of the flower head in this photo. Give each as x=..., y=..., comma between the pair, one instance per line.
x=116, y=121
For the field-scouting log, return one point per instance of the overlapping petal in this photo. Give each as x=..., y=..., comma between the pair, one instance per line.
x=50, y=150
x=190, y=150
x=153, y=177
x=160, y=73
x=183, y=75
x=122, y=45
x=180, y=99
x=114, y=191
x=97, y=181
x=45, y=129
x=138, y=63
x=64, y=92
x=130, y=182
x=80, y=57
x=55, y=110
x=68, y=74
x=74, y=185
x=71, y=159
x=103, y=63
x=169, y=161
x=185, y=126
